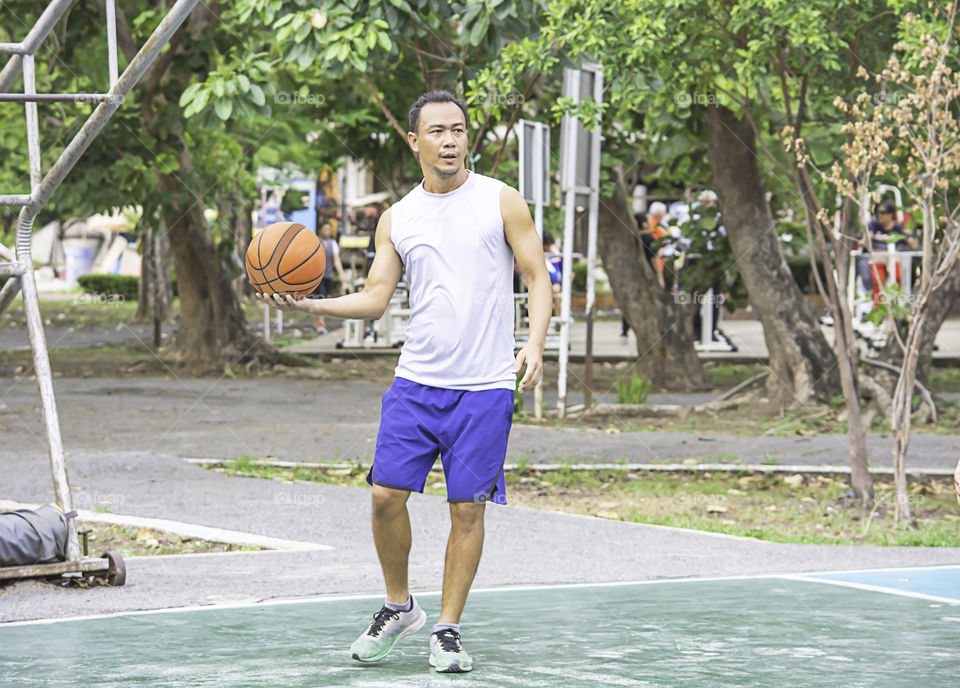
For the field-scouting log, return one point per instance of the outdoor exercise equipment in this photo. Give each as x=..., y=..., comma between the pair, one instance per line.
x=19, y=268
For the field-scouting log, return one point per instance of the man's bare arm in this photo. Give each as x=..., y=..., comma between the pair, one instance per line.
x=527, y=247
x=368, y=303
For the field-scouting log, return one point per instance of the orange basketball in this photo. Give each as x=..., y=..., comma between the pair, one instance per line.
x=285, y=258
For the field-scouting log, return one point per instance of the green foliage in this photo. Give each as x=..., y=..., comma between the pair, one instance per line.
x=579, y=282
x=710, y=259
x=635, y=390
x=124, y=286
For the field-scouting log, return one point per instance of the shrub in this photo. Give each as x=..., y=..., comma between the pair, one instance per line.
x=120, y=285
x=579, y=282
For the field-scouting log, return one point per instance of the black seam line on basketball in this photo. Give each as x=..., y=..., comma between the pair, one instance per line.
x=284, y=236
x=280, y=279
x=301, y=263
x=259, y=259
x=250, y=268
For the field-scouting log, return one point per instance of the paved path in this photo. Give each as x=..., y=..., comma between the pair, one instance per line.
x=316, y=420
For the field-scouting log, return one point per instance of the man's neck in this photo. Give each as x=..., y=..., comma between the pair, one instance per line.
x=437, y=184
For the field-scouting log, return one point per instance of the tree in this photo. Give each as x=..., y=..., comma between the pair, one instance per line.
x=911, y=137
x=683, y=54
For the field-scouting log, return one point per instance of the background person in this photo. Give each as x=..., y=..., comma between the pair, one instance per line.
x=883, y=230
x=331, y=249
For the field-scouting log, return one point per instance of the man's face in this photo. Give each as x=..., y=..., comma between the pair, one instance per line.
x=326, y=231
x=441, y=141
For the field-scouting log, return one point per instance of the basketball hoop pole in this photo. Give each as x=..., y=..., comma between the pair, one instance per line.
x=21, y=269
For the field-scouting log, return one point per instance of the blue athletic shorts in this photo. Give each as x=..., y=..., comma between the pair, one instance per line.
x=468, y=429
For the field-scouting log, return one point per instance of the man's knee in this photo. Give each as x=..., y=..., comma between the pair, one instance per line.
x=466, y=516
x=388, y=501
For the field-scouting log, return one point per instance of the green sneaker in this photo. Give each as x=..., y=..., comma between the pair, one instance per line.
x=447, y=654
x=389, y=626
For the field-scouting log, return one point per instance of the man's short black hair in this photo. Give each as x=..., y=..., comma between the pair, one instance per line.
x=413, y=117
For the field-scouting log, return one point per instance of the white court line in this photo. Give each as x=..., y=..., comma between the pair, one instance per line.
x=233, y=537
x=874, y=588
x=431, y=593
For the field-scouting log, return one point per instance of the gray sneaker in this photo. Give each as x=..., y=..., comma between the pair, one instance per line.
x=388, y=627
x=447, y=654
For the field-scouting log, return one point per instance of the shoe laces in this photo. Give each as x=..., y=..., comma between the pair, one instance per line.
x=380, y=620
x=449, y=640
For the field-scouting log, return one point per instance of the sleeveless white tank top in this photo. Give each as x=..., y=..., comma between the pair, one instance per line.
x=459, y=268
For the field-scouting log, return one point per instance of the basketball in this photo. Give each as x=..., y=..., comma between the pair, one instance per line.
x=285, y=258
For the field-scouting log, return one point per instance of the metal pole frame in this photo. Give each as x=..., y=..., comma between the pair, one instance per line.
x=41, y=189
x=539, y=186
x=594, y=207
x=569, y=190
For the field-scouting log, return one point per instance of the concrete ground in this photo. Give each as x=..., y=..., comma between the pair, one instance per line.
x=521, y=546
x=126, y=441
x=127, y=438
x=335, y=421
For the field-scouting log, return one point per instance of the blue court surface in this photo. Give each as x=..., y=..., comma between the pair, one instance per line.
x=866, y=628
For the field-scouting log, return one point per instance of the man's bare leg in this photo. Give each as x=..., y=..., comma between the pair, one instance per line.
x=400, y=616
x=391, y=533
x=462, y=559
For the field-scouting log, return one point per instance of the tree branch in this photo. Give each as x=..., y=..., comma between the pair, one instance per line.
x=513, y=120
x=386, y=112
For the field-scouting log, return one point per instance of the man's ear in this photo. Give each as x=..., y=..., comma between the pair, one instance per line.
x=413, y=142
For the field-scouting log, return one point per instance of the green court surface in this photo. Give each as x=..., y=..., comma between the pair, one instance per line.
x=764, y=631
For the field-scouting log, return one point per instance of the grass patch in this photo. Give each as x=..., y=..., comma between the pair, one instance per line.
x=727, y=375
x=135, y=542
x=769, y=506
x=81, y=310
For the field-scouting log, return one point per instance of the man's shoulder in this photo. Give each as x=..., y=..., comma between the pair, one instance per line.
x=491, y=182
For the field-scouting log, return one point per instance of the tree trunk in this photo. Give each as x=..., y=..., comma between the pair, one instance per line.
x=155, y=290
x=234, y=216
x=212, y=329
x=243, y=235
x=802, y=364
x=664, y=328
x=835, y=273
x=942, y=301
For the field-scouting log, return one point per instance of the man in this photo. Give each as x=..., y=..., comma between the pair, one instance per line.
x=456, y=234
x=331, y=250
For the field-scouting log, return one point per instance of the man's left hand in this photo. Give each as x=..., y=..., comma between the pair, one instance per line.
x=531, y=356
